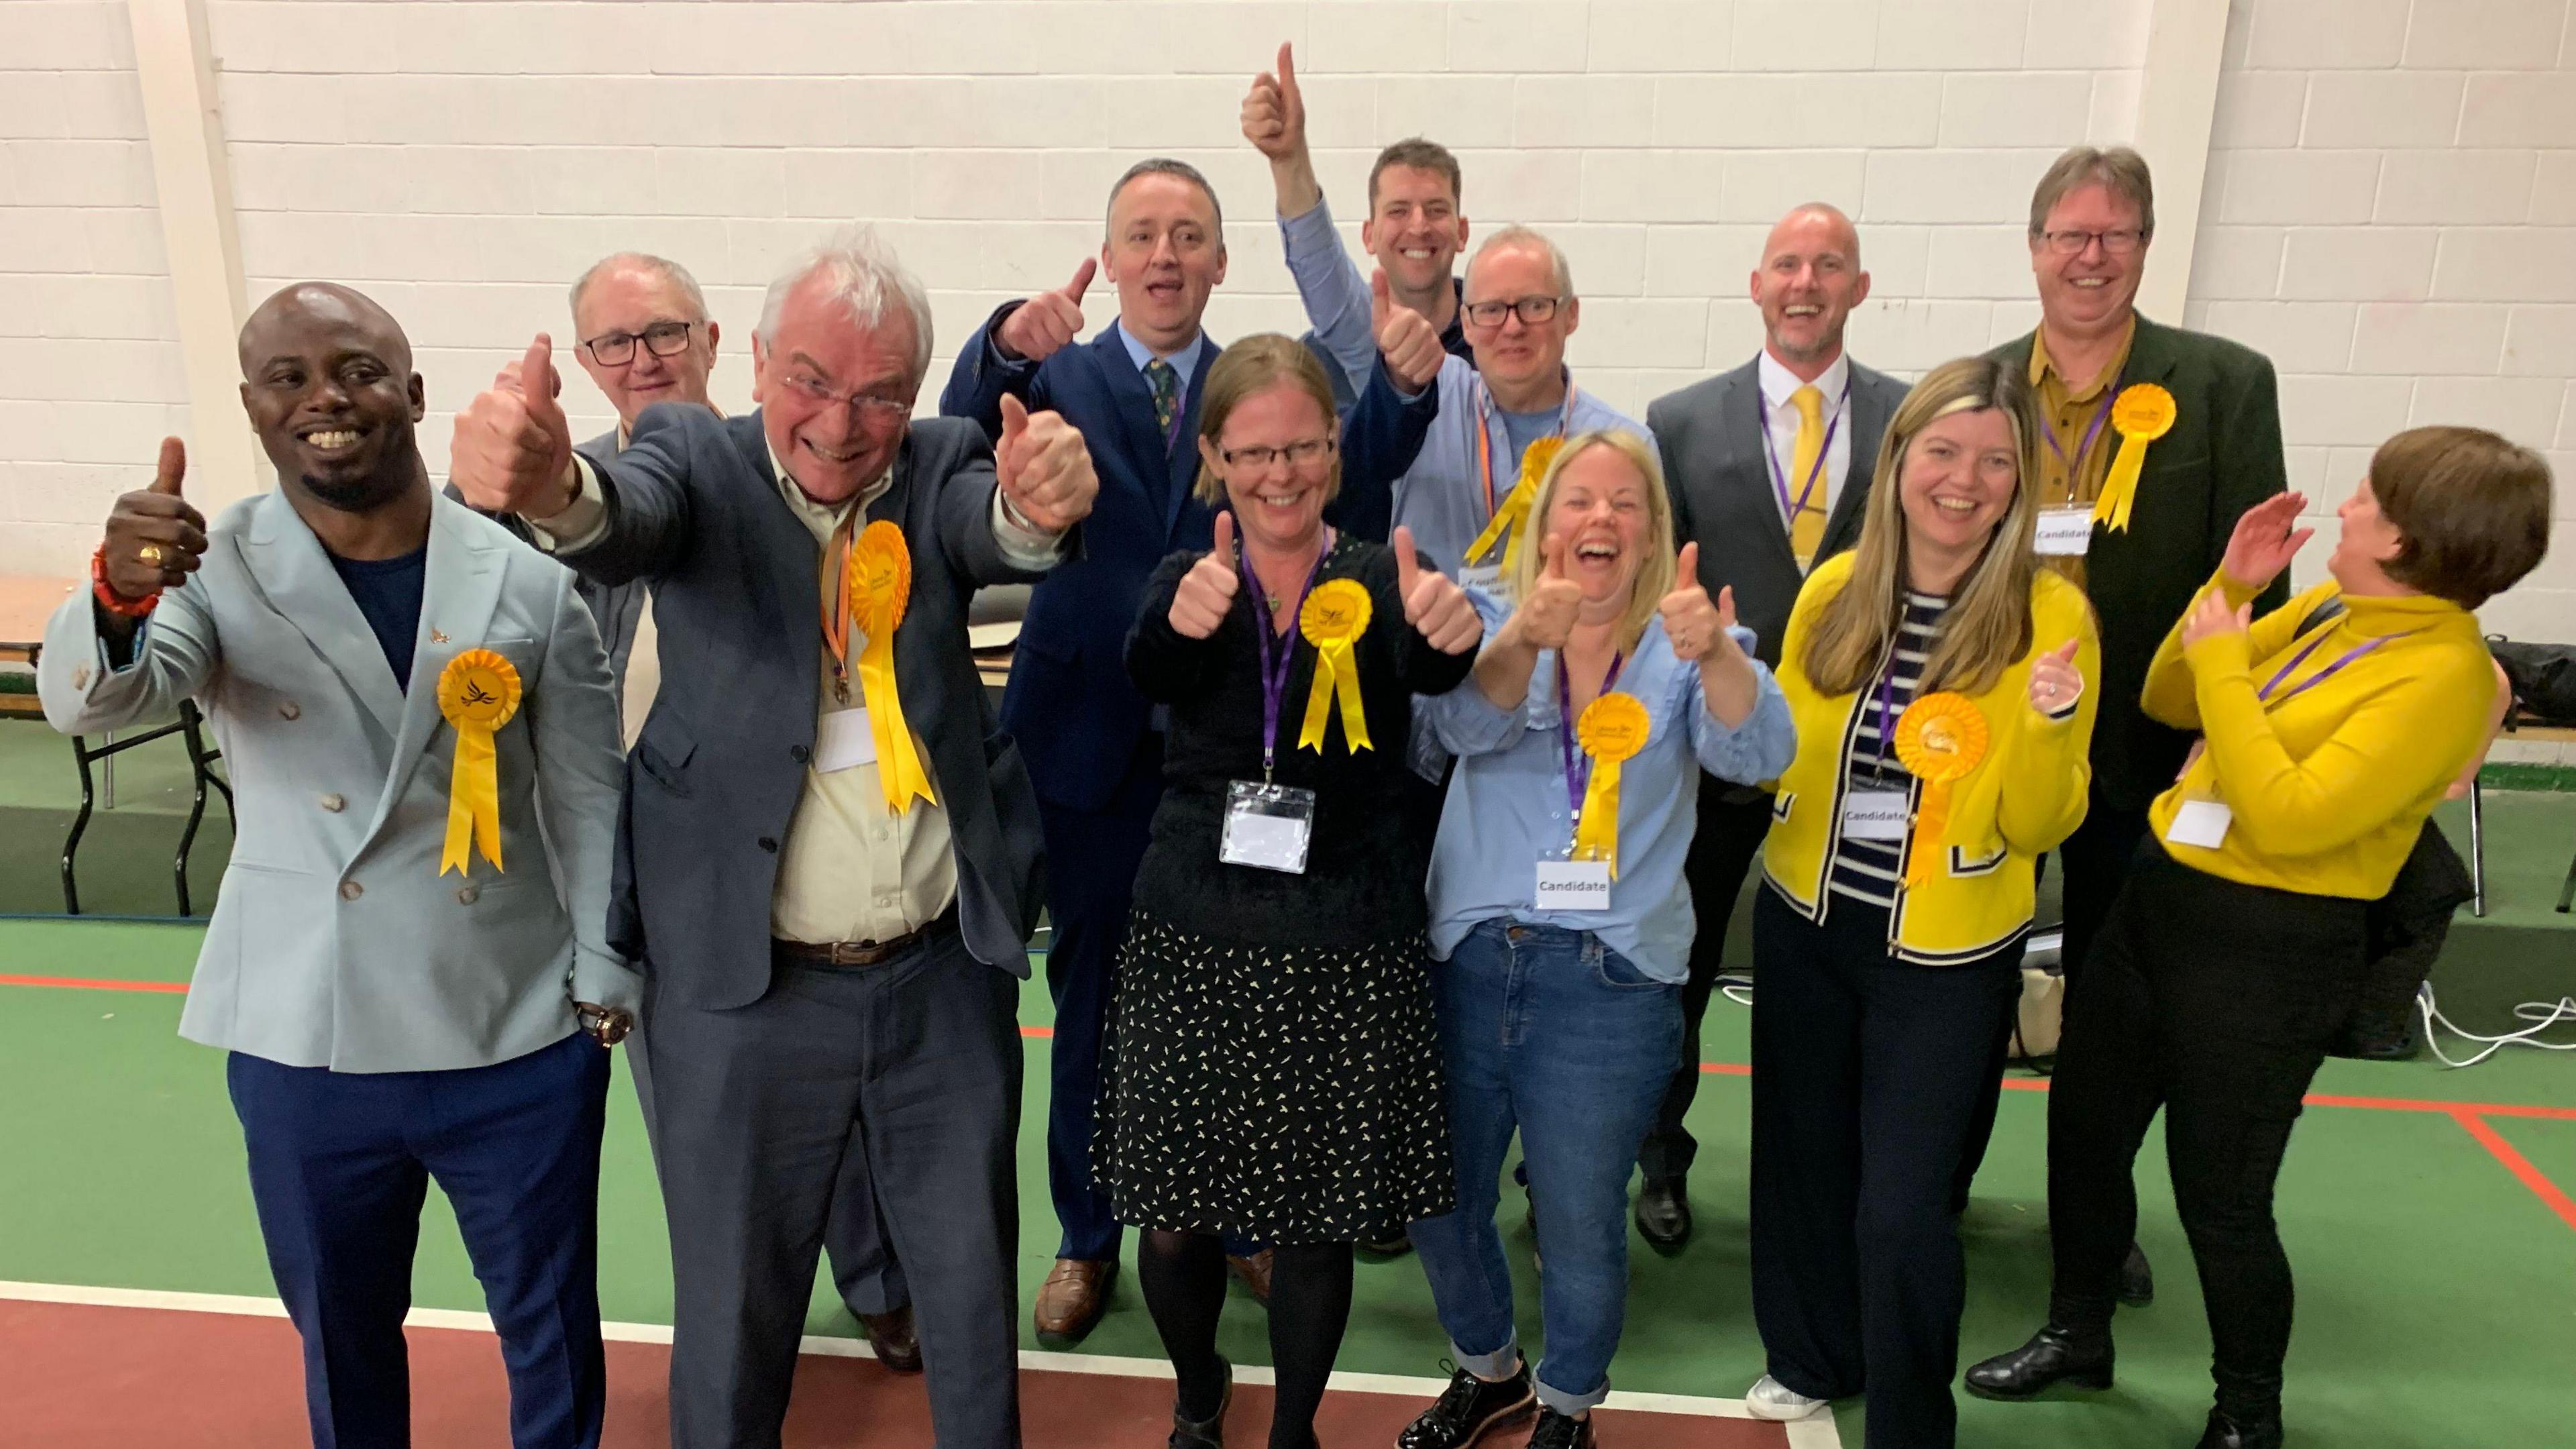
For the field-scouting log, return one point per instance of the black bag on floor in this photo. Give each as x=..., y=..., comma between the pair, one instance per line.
x=2543, y=675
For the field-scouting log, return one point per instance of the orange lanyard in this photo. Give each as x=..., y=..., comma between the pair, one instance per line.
x=1485, y=435
x=836, y=602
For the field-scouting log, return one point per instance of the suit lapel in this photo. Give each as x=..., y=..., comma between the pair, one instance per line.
x=1868, y=430
x=460, y=591
x=1182, y=456
x=916, y=669
x=291, y=570
x=1131, y=399
x=1750, y=430
x=784, y=553
x=2151, y=355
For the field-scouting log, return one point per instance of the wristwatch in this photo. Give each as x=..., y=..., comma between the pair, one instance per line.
x=607, y=1025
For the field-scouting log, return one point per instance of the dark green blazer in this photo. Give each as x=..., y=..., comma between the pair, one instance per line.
x=2222, y=456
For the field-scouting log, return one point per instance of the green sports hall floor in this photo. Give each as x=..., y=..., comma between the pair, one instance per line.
x=2427, y=1212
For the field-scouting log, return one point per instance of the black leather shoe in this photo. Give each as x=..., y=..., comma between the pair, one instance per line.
x=1663, y=1213
x=2137, y=1279
x=2224, y=1432
x=1556, y=1431
x=1207, y=1433
x=1469, y=1409
x=2052, y=1356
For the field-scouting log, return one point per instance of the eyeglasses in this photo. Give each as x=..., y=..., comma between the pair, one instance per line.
x=662, y=339
x=2118, y=243
x=1531, y=310
x=872, y=407
x=1303, y=453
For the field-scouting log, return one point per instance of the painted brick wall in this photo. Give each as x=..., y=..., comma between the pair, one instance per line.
x=90, y=377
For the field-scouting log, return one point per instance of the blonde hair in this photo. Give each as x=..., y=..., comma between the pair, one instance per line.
x=1987, y=626
x=1655, y=574
x=1252, y=364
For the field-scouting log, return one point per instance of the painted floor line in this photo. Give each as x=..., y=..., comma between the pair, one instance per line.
x=2519, y=1165
x=1034, y=1360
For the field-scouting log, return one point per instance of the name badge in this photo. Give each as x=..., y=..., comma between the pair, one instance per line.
x=1486, y=578
x=2064, y=532
x=1876, y=815
x=843, y=741
x=1573, y=885
x=1266, y=826
x=2201, y=823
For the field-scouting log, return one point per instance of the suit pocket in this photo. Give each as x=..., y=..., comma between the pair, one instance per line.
x=664, y=750
x=1982, y=863
x=1781, y=805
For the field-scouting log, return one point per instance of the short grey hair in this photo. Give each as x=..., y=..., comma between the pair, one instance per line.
x=2118, y=169
x=1166, y=166
x=670, y=271
x=860, y=272
x=1524, y=237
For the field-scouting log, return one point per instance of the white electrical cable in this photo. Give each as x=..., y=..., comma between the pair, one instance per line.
x=2541, y=1014
x=1736, y=987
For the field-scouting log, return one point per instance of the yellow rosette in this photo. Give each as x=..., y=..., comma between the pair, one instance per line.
x=478, y=692
x=2142, y=413
x=1611, y=729
x=1335, y=616
x=880, y=575
x=1513, y=512
x=1941, y=738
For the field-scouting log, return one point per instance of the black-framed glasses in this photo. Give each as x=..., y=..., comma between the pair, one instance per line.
x=1304, y=453
x=1531, y=310
x=2118, y=243
x=662, y=339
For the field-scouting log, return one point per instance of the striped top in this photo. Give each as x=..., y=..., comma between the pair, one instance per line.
x=1868, y=870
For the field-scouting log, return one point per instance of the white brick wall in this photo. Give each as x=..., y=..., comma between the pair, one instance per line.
x=90, y=377
x=2391, y=209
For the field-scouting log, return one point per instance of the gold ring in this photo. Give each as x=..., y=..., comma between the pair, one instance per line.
x=150, y=553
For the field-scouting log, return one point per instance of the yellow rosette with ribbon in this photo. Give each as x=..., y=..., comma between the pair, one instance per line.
x=1941, y=738
x=1512, y=514
x=2142, y=413
x=1611, y=729
x=478, y=692
x=1335, y=616
x=880, y=583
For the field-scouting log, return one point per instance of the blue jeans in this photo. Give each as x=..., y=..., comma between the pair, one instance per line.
x=1548, y=1031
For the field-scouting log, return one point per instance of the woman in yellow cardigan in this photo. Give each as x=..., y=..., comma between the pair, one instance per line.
x=1937, y=678
x=2233, y=955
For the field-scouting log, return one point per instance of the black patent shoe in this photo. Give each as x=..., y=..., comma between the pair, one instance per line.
x=1207, y=1433
x=1663, y=1213
x=1469, y=1409
x=2051, y=1357
x=2225, y=1432
x=2137, y=1279
x=1556, y=1431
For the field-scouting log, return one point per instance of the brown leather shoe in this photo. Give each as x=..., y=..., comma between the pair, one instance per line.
x=891, y=1337
x=1073, y=1297
x=1255, y=1272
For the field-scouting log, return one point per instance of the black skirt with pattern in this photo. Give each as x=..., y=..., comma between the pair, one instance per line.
x=1284, y=1094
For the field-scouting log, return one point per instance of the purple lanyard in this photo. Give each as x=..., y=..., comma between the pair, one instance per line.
x=1578, y=765
x=2092, y=430
x=1780, y=474
x=2321, y=676
x=1274, y=673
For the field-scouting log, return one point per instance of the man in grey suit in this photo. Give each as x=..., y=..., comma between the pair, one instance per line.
x=1768, y=466
x=830, y=861
x=403, y=695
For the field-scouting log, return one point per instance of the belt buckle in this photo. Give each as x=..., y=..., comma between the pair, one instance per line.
x=856, y=953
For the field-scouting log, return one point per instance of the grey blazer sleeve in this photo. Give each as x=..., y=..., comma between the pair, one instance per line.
x=572, y=725
x=175, y=653
x=645, y=489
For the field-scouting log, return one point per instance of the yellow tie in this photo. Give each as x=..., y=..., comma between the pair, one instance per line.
x=1807, y=523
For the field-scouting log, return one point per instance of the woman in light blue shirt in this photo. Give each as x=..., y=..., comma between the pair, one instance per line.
x=1560, y=921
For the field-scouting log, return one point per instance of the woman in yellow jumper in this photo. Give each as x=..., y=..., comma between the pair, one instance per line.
x=2232, y=957
x=1937, y=678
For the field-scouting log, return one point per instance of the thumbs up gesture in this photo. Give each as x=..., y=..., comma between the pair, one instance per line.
x=1437, y=609
x=1207, y=591
x=154, y=538
x=1044, y=467
x=1040, y=327
x=513, y=450
x=1274, y=112
x=1405, y=338
x=2054, y=681
x=1545, y=619
x=1696, y=627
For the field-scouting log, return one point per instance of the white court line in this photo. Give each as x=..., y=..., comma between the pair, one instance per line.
x=1815, y=1433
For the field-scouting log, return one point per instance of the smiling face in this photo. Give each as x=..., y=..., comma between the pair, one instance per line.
x=835, y=397
x=2088, y=292
x=1603, y=522
x=328, y=385
x=1278, y=504
x=1808, y=283
x=1517, y=354
x=1414, y=229
x=628, y=300
x=1165, y=254
x=2366, y=546
x=1957, y=482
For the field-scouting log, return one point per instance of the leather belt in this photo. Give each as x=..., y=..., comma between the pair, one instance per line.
x=852, y=955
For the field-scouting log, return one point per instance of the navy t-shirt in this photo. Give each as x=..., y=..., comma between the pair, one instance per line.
x=388, y=592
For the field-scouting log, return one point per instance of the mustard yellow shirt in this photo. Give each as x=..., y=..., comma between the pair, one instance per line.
x=2327, y=784
x=2072, y=471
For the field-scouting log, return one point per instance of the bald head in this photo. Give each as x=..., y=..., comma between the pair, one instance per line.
x=327, y=381
x=1809, y=281
x=303, y=306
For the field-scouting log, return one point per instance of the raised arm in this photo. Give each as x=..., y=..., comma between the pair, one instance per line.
x=1001, y=359
x=104, y=670
x=1335, y=295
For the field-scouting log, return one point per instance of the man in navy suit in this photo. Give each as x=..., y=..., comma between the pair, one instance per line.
x=1094, y=750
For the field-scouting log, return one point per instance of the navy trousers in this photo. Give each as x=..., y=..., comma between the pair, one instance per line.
x=340, y=1163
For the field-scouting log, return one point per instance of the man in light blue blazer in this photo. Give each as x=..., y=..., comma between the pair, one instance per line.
x=409, y=986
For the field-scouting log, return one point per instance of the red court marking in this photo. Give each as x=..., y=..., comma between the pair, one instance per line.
x=79, y=983
x=1042, y=1033
x=2519, y=1165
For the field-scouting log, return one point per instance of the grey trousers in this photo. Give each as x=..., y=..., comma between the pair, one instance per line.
x=906, y=1072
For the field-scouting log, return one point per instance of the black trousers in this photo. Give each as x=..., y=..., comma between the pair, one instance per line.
x=1728, y=838
x=2214, y=1001
x=1865, y=1079
x=2407, y=929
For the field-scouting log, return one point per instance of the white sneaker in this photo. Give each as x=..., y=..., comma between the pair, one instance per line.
x=1771, y=1399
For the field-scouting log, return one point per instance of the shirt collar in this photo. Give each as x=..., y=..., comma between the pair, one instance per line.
x=2041, y=368
x=821, y=519
x=1778, y=382
x=1184, y=362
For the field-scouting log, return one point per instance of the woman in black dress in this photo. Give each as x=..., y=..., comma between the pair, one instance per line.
x=1271, y=1070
